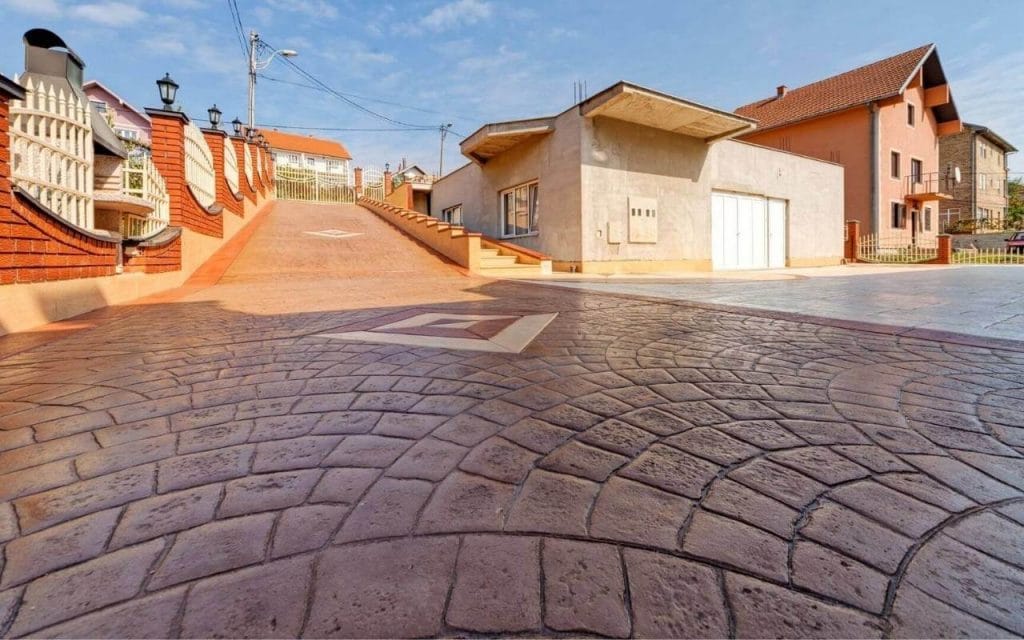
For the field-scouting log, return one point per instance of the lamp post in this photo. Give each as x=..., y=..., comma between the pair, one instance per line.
x=237, y=124
x=256, y=64
x=168, y=90
x=214, y=114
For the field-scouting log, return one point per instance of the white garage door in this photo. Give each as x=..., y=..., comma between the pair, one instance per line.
x=747, y=232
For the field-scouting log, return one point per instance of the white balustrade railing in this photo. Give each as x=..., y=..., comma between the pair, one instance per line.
x=140, y=178
x=373, y=183
x=199, y=171
x=247, y=161
x=231, y=165
x=897, y=247
x=52, y=152
x=259, y=162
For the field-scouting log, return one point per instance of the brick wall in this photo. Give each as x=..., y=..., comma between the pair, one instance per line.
x=156, y=259
x=168, y=141
x=35, y=245
x=224, y=194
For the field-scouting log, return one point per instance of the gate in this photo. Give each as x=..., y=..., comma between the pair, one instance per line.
x=312, y=185
x=373, y=183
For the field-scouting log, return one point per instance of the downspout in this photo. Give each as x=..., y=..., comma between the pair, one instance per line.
x=875, y=161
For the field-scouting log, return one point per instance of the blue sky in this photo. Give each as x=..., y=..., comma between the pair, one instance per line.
x=472, y=61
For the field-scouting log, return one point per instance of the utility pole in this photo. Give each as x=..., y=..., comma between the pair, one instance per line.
x=254, y=38
x=444, y=132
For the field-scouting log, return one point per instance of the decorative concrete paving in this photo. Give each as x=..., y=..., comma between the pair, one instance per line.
x=642, y=468
x=977, y=300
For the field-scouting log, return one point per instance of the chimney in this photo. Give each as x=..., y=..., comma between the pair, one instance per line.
x=781, y=90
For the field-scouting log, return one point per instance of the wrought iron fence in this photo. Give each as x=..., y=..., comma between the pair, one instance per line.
x=52, y=151
x=310, y=185
x=373, y=183
x=896, y=248
x=987, y=255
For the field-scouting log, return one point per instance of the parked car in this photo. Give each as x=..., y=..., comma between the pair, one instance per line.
x=1015, y=243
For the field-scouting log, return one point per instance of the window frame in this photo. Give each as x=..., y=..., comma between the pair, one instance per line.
x=895, y=162
x=897, y=214
x=448, y=214
x=918, y=177
x=911, y=114
x=927, y=214
x=532, y=206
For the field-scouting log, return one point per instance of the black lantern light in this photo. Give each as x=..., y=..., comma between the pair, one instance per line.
x=237, y=124
x=260, y=138
x=387, y=167
x=168, y=89
x=214, y=114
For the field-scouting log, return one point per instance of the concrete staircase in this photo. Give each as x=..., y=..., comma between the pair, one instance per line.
x=497, y=262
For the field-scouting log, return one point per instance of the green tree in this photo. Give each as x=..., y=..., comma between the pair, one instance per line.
x=1015, y=204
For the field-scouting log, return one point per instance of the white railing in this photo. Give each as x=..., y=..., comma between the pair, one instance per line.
x=247, y=162
x=987, y=255
x=310, y=185
x=140, y=178
x=373, y=183
x=231, y=165
x=199, y=171
x=52, y=152
x=259, y=162
x=902, y=248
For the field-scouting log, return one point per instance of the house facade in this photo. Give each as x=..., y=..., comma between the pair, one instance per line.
x=128, y=123
x=292, y=151
x=634, y=180
x=882, y=122
x=981, y=154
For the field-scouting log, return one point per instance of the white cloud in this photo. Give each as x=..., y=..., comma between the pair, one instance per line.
x=311, y=8
x=35, y=7
x=110, y=14
x=449, y=16
x=983, y=96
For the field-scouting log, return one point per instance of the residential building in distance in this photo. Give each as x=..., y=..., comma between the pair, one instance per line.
x=127, y=122
x=981, y=195
x=634, y=180
x=293, y=151
x=882, y=122
x=421, y=183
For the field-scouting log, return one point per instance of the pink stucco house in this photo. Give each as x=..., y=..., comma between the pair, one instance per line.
x=127, y=122
x=882, y=122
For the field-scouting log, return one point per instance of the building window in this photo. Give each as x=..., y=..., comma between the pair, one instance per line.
x=910, y=114
x=894, y=159
x=293, y=159
x=982, y=150
x=310, y=161
x=452, y=215
x=519, y=210
x=899, y=215
x=916, y=169
x=927, y=218
x=981, y=181
x=127, y=134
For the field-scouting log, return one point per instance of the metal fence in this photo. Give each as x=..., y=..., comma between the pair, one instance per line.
x=896, y=249
x=310, y=185
x=988, y=255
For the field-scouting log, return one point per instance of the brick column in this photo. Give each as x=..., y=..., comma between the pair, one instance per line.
x=168, y=146
x=388, y=186
x=9, y=90
x=850, y=242
x=945, y=254
x=216, y=138
x=357, y=177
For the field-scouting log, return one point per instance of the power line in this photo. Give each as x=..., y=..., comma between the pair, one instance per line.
x=236, y=23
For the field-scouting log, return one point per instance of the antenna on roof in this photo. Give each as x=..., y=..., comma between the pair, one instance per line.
x=579, y=91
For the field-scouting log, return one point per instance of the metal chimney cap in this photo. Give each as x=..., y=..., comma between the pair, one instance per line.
x=46, y=39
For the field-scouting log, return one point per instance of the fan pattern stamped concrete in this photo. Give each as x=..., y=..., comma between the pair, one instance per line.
x=641, y=468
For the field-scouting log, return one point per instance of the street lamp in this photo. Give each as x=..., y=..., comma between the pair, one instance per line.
x=237, y=124
x=214, y=114
x=256, y=64
x=168, y=89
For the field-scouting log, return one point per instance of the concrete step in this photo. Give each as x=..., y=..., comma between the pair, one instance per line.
x=497, y=261
x=516, y=270
x=488, y=253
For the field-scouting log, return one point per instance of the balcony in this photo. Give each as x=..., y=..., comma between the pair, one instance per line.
x=928, y=187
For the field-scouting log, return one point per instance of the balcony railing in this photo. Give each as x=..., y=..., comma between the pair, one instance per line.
x=929, y=186
x=399, y=179
x=141, y=179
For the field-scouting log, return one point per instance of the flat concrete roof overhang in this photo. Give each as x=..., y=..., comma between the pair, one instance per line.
x=493, y=139
x=633, y=103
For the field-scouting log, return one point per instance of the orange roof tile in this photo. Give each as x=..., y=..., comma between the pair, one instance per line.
x=874, y=81
x=305, y=144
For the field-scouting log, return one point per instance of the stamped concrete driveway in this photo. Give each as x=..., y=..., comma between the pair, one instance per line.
x=985, y=301
x=240, y=462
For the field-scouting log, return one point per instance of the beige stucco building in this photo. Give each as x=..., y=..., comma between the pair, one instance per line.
x=633, y=180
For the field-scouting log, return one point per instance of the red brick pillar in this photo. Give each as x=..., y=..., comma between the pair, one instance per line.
x=9, y=90
x=357, y=175
x=388, y=187
x=945, y=255
x=168, y=147
x=216, y=138
x=850, y=241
